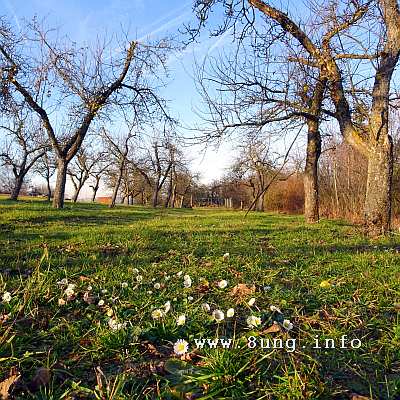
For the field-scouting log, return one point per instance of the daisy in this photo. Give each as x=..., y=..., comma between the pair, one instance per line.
x=157, y=286
x=167, y=306
x=104, y=291
x=206, y=307
x=89, y=288
x=218, y=315
x=69, y=291
x=181, y=347
x=139, y=278
x=6, y=297
x=190, y=298
x=156, y=314
x=230, y=313
x=100, y=303
x=253, y=321
x=187, y=282
x=225, y=256
x=124, y=284
x=251, y=302
x=222, y=284
x=181, y=320
x=135, y=271
x=287, y=324
x=275, y=309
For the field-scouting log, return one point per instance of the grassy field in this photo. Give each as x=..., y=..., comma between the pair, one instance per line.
x=84, y=309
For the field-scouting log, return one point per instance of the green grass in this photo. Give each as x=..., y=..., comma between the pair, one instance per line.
x=285, y=259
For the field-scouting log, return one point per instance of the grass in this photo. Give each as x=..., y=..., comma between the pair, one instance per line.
x=89, y=245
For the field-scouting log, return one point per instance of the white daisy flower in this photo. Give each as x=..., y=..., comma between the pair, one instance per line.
x=190, y=298
x=135, y=271
x=251, y=302
x=187, y=282
x=139, y=278
x=225, y=256
x=100, y=303
x=218, y=315
x=104, y=291
x=275, y=309
x=156, y=314
x=206, y=307
x=149, y=292
x=222, y=284
x=287, y=324
x=89, y=288
x=6, y=297
x=153, y=279
x=124, y=284
x=157, y=286
x=181, y=320
x=167, y=306
x=181, y=347
x=69, y=291
x=230, y=313
x=253, y=321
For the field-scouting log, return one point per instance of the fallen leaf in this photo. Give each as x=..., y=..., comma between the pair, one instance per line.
x=355, y=396
x=6, y=385
x=242, y=290
x=272, y=329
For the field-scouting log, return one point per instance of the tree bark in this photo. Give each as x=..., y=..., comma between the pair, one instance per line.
x=59, y=191
x=310, y=180
x=48, y=189
x=17, y=187
x=378, y=201
x=116, y=188
x=155, y=197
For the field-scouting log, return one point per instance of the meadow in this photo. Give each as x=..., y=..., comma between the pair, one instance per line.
x=99, y=303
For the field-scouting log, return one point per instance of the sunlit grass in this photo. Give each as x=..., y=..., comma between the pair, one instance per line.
x=326, y=279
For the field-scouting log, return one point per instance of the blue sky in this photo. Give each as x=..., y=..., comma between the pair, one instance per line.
x=84, y=20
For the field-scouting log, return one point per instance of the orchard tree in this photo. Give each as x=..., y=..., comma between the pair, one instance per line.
x=70, y=88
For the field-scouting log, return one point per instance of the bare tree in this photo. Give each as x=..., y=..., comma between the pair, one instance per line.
x=23, y=145
x=337, y=48
x=85, y=83
x=46, y=168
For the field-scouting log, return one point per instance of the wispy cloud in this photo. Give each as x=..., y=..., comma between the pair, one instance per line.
x=165, y=22
x=11, y=10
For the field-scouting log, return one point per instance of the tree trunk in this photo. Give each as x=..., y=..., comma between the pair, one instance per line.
x=59, y=191
x=155, y=197
x=260, y=203
x=17, y=187
x=76, y=194
x=377, y=206
x=310, y=180
x=116, y=188
x=48, y=189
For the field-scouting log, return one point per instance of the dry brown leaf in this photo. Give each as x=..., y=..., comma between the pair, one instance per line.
x=242, y=290
x=355, y=396
x=272, y=329
x=6, y=385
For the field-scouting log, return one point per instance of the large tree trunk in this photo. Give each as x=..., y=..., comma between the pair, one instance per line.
x=155, y=197
x=59, y=191
x=17, y=187
x=260, y=203
x=310, y=180
x=377, y=206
